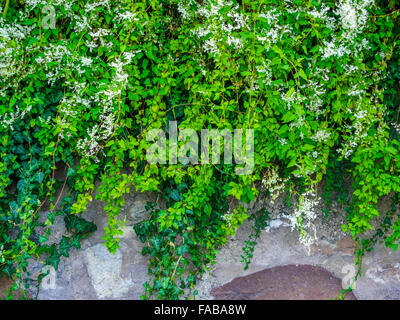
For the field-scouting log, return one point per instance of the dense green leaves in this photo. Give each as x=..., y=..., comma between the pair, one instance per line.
x=317, y=81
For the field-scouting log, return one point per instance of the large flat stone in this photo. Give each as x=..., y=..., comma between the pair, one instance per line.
x=105, y=272
x=290, y=282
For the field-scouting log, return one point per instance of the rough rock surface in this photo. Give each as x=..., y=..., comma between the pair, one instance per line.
x=5, y=284
x=290, y=282
x=334, y=251
x=92, y=273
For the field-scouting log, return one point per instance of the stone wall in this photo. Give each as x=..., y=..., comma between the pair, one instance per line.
x=93, y=273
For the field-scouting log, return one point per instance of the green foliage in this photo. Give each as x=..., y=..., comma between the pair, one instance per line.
x=260, y=219
x=182, y=239
x=307, y=76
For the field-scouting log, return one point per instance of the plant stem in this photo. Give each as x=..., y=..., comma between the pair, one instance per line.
x=6, y=8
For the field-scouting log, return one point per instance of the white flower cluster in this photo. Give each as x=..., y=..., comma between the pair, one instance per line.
x=303, y=217
x=90, y=145
x=321, y=136
x=2, y=258
x=93, y=5
x=334, y=49
x=228, y=218
x=291, y=100
x=217, y=29
x=7, y=120
x=305, y=171
x=55, y=59
x=358, y=129
x=396, y=126
x=275, y=31
x=127, y=16
x=183, y=8
x=12, y=51
x=354, y=14
x=348, y=15
x=314, y=92
x=353, y=17
x=78, y=71
x=100, y=38
x=273, y=183
x=265, y=72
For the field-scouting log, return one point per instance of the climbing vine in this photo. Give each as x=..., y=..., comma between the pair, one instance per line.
x=317, y=81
